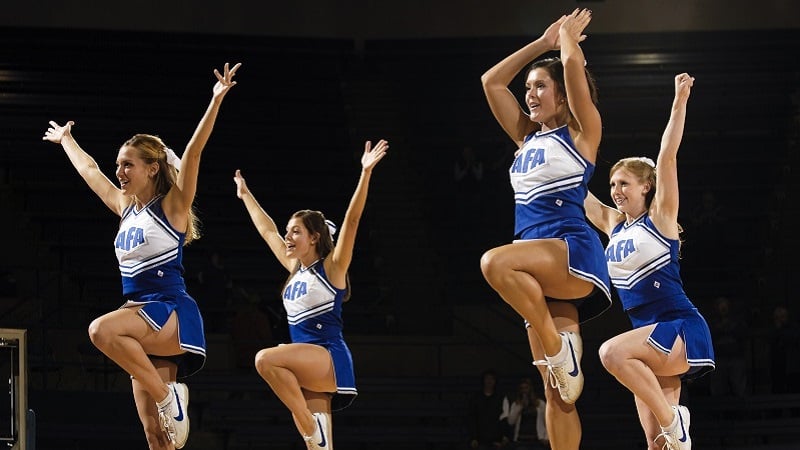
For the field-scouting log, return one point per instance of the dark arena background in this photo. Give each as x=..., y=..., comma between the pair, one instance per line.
x=318, y=79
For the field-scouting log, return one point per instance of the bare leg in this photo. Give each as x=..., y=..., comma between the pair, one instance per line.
x=649, y=424
x=146, y=407
x=292, y=368
x=127, y=339
x=671, y=387
x=641, y=368
x=562, y=419
x=524, y=273
x=320, y=402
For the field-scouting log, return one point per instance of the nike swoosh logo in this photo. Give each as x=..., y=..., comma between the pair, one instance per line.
x=683, y=430
x=322, y=442
x=575, y=371
x=179, y=417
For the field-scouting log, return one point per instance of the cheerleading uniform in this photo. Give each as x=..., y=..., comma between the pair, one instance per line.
x=643, y=265
x=550, y=181
x=150, y=254
x=314, y=312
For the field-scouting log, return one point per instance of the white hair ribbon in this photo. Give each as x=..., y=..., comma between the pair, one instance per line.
x=172, y=158
x=331, y=227
x=647, y=161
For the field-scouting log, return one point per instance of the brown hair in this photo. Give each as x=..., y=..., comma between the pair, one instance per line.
x=315, y=223
x=152, y=149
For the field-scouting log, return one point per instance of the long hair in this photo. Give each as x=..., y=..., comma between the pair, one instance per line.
x=644, y=169
x=151, y=149
x=315, y=223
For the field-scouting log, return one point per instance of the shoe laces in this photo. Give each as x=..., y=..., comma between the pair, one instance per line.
x=556, y=378
x=165, y=420
x=310, y=442
x=669, y=440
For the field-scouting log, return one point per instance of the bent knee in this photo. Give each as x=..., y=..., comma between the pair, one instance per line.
x=492, y=264
x=264, y=360
x=98, y=333
x=610, y=356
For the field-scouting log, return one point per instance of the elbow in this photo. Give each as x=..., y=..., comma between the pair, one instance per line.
x=353, y=220
x=572, y=59
x=485, y=79
x=667, y=157
x=89, y=167
x=192, y=156
x=489, y=80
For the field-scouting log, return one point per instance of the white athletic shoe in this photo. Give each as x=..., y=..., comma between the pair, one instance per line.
x=319, y=440
x=565, y=367
x=174, y=416
x=676, y=436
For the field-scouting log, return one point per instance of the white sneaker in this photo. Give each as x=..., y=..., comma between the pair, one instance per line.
x=676, y=436
x=320, y=439
x=565, y=368
x=174, y=416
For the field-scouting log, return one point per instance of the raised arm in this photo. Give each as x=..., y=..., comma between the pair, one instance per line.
x=602, y=216
x=664, y=209
x=511, y=116
x=342, y=254
x=264, y=224
x=579, y=97
x=86, y=166
x=180, y=198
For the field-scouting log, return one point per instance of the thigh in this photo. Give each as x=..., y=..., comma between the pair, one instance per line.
x=128, y=322
x=164, y=342
x=634, y=344
x=546, y=261
x=311, y=364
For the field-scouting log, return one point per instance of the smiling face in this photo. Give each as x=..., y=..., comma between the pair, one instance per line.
x=628, y=192
x=546, y=103
x=300, y=242
x=134, y=174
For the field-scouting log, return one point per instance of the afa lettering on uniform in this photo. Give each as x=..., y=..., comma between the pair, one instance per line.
x=620, y=251
x=126, y=240
x=295, y=290
x=532, y=158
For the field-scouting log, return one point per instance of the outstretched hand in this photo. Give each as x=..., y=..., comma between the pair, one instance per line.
x=225, y=80
x=57, y=132
x=572, y=26
x=372, y=155
x=683, y=85
x=241, y=185
x=550, y=35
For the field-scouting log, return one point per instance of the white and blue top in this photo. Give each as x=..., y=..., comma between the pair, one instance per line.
x=149, y=250
x=643, y=264
x=314, y=312
x=313, y=305
x=550, y=179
